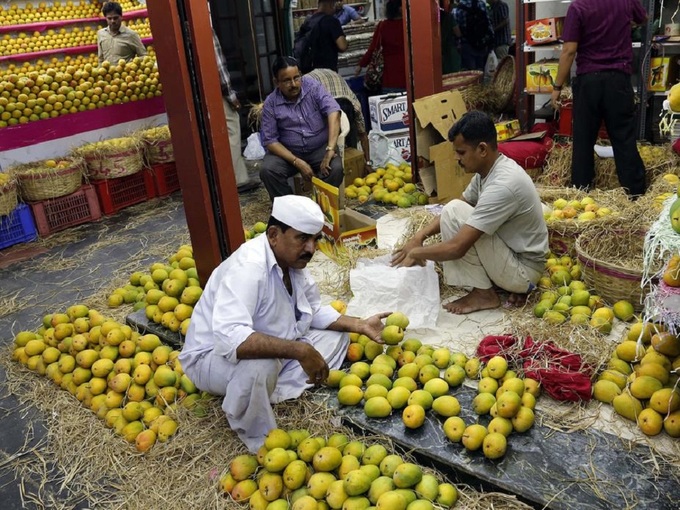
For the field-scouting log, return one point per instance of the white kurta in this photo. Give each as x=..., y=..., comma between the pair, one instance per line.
x=245, y=294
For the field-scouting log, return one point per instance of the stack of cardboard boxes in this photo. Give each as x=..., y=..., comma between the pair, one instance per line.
x=390, y=116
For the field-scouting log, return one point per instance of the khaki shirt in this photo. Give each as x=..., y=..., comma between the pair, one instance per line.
x=126, y=45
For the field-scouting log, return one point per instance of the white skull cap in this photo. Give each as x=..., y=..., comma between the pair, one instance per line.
x=300, y=213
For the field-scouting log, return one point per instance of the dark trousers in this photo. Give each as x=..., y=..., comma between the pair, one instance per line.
x=472, y=59
x=608, y=96
x=276, y=171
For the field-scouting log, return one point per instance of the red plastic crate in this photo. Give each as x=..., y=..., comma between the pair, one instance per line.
x=57, y=214
x=166, y=178
x=122, y=192
x=565, y=125
x=17, y=227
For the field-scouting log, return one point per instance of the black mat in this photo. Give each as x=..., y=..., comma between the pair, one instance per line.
x=584, y=470
x=138, y=321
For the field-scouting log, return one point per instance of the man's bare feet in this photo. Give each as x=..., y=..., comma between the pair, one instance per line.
x=477, y=299
x=516, y=300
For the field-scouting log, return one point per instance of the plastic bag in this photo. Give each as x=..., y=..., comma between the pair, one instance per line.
x=490, y=67
x=378, y=287
x=254, y=149
x=383, y=150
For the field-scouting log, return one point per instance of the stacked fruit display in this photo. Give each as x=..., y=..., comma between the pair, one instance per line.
x=37, y=96
x=298, y=471
x=390, y=185
x=641, y=379
x=131, y=381
x=258, y=228
x=13, y=14
x=567, y=298
x=16, y=71
x=168, y=292
x=413, y=378
x=586, y=209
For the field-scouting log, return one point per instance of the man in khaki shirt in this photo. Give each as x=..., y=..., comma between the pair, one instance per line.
x=116, y=41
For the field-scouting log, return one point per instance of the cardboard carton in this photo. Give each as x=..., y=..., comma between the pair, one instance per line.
x=434, y=117
x=342, y=227
x=389, y=112
x=402, y=142
x=543, y=31
x=662, y=73
x=541, y=76
x=353, y=163
x=507, y=130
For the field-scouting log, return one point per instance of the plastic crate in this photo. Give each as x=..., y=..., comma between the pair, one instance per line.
x=122, y=192
x=17, y=227
x=166, y=179
x=57, y=214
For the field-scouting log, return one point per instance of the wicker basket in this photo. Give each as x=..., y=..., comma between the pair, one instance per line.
x=8, y=197
x=462, y=79
x=158, y=146
x=612, y=280
x=39, y=182
x=113, y=158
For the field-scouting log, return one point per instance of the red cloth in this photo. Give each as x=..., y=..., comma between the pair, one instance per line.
x=562, y=374
x=676, y=146
x=527, y=154
x=390, y=33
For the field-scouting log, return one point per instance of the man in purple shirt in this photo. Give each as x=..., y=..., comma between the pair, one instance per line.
x=299, y=128
x=598, y=34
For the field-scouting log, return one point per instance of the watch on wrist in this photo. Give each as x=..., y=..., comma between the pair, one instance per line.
x=329, y=148
x=557, y=87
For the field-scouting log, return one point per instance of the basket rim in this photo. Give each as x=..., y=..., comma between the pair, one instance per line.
x=603, y=266
x=61, y=172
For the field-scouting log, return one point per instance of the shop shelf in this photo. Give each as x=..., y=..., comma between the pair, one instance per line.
x=59, y=213
x=17, y=227
x=41, y=26
x=122, y=192
x=88, y=48
x=166, y=179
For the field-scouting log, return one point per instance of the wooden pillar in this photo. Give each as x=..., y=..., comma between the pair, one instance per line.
x=193, y=102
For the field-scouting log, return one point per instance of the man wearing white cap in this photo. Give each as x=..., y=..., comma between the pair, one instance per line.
x=259, y=334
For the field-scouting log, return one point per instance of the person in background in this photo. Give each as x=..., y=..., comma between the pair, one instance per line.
x=346, y=14
x=450, y=34
x=495, y=234
x=232, y=106
x=349, y=103
x=389, y=34
x=476, y=31
x=259, y=334
x=500, y=21
x=328, y=38
x=116, y=41
x=300, y=127
x=598, y=36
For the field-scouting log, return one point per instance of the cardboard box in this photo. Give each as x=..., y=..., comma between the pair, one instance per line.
x=434, y=117
x=507, y=130
x=402, y=142
x=543, y=31
x=389, y=112
x=541, y=76
x=342, y=227
x=354, y=164
x=662, y=73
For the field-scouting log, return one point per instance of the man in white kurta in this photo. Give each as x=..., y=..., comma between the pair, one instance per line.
x=259, y=334
x=494, y=235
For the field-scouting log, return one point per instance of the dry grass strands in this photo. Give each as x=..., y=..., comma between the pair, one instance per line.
x=257, y=207
x=557, y=169
x=254, y=116
x=8, y=195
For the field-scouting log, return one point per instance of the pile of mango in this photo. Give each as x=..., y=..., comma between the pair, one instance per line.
x=390, y=185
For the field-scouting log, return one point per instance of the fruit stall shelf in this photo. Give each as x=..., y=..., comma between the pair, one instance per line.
x=40, y=26
x=138, y=321
x=121, y=192
x=57, y=214
x=17, y=227
x=73, y=50
x=548, y=468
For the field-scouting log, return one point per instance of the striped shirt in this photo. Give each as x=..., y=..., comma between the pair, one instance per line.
x=498, y=13
x=225, y=79
x=300, y=125
x=338, y=88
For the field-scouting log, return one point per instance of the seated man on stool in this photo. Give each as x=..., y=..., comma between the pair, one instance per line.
x=259, y=334
x=300, y=127
x=495, y=234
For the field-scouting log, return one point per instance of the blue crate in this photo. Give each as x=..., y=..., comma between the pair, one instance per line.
x=17, y=227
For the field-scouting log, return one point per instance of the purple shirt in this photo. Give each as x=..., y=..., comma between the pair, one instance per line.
x=602, y=30
x=301, y=126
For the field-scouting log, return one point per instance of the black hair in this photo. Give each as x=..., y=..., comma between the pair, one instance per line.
x=112, y=7
x=273, y=222
x=475, y=127
x=392, y=8
x=283, y=62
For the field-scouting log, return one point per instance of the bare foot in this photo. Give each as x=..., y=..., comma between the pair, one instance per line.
x=516, y=300
x=477, y=299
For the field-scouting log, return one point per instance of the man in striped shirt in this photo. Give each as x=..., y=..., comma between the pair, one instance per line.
x=500, y=21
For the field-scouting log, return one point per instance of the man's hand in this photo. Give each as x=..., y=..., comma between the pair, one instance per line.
x=236, y=104
x=305, y=170
x=325, y=167
x=357, y=70
x=314, y=366
x=368, y=168
x=401, y=258
x=373, y=326
x=555, y=99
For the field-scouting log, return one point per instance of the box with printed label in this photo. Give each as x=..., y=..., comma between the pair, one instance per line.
x=660, y=73
x=507, y=130
x=389, y=112
x=543, y=31
x=434, y=117
x=402, y=142
x=541, y=76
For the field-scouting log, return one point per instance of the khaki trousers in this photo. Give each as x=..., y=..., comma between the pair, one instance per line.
x=489, y=262
x=234, y=130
